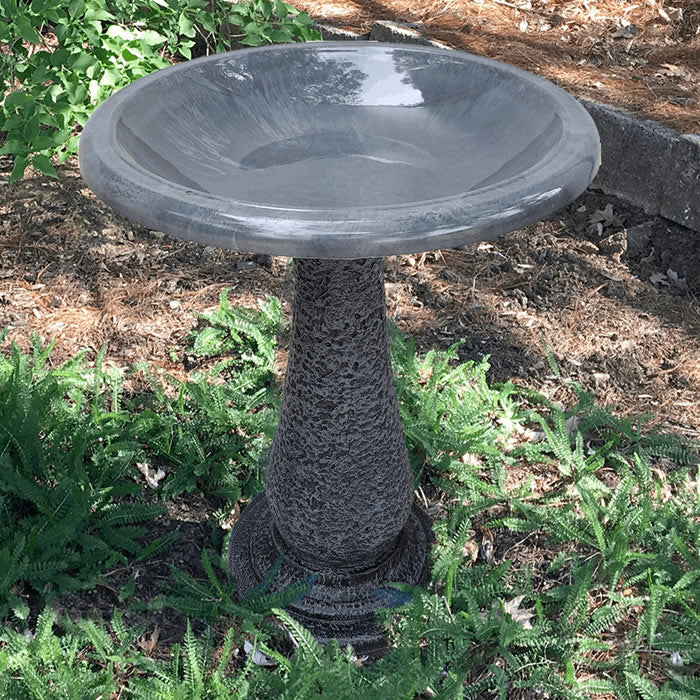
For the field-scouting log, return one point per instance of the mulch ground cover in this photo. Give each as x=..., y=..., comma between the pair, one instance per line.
x=642, y=55
x=609, y=290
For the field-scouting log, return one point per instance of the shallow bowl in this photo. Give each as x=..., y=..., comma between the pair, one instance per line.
x=339, y=150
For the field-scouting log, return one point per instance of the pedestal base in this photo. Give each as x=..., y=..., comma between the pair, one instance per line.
x=341, y=603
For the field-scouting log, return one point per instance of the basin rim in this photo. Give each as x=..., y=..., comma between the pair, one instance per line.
x=341, y=232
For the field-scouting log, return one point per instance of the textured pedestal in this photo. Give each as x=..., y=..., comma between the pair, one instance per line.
x=337, y=504
x=341, y=604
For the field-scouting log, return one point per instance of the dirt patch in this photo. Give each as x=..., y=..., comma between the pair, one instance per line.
x=610, y=291
x=73, y=270
x=644, y=56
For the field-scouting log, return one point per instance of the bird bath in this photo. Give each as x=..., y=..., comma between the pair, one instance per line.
x=338, y=154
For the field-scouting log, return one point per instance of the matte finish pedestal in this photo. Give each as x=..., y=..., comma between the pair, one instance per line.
x=337, y=506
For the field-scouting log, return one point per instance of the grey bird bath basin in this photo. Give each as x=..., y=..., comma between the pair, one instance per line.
x=338, y=154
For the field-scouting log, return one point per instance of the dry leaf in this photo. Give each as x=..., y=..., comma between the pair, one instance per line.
x=671, y=70
x=587, y=247
x=606, y=215
x=602, y=218
x=512, y=607
x=471, y=459
x=470, y=551
x=675, y=13
x=148, y=644
x=572, y=424
x=681, y=283
x=152, y=477
x=259, y=659
x=358, y=661
x=664, y=490
x=231, y=518
x=611, y=277
x=658, y=278
x=649, y=257
x=486, y=549
x=627, y=31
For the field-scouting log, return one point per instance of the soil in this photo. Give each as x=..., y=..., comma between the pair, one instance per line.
x=611, y=291
x=642, y=55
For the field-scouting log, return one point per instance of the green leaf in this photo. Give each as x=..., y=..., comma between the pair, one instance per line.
x=39, y=6
x=207, y=21
x=281, y=9
x=281, y=35
x=83, y=61
x=152, y=38
x=31, y=128
x=17, y=99
x=265, y=8
x=253, y=37
x=20, y=165
x=12, y=123
x=185, y=49
x=110, y=77
x=47, y=140
x=116, y=31
x=209, y=341
x=18, y=606
x=186, y=26
x=26, y=30
x=303, y=18
x=13, y=148
x=47, y=119
x=59, y=57
x=131, y=53
x=237, y=19
x=75, y=8
x=127, y=590
x=43, y=164
x=97, y=13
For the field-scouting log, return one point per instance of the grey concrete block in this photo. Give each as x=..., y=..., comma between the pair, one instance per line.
x=331, y=33
x=681, y=201
x=648, y=164
x=633, y=152
x=401, y=33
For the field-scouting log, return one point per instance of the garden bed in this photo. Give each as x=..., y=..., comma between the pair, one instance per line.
x=621, y=318
x=644, y=56
x=536, y=581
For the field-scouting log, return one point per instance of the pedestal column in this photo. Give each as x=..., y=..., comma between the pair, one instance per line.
x=337, y=504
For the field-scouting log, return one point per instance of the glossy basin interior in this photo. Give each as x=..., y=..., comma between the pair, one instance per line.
x=333, y=128
x=338, y=128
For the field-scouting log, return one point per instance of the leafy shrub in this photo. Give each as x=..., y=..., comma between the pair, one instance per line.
x=608, y=604
x=62, y=59
x=249, y=334
x=211, y=436
x=68, y=508
x=71, y=494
